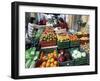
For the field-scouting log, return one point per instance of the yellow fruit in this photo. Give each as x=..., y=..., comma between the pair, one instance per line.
x=51, y=54
x=48, y=64
x=51, y=65
x=54, y=52
x=55, y=62
x=52, y=60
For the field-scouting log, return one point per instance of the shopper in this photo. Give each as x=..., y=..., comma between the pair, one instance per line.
x=62, y=24
x=32, y=28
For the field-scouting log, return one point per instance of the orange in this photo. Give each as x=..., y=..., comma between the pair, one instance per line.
x=48, y=54
x=42, y=66
x=44, y=58
x=55, y=55
x=44, y=63
x=55, y=65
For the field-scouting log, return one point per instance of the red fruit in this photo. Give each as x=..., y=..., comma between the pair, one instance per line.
x=61, y=59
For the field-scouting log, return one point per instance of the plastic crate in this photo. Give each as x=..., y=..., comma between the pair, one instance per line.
x=67, y=63
x=74, y=43
x=81, y=61
x=46, y=52
x=62, y=45
x=49, y=50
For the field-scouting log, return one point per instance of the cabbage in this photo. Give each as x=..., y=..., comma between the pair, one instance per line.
x=83, y=54
x=79, y=54
x=75, y=51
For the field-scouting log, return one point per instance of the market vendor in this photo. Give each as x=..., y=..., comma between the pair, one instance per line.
x=43, y=21
x=62, y=24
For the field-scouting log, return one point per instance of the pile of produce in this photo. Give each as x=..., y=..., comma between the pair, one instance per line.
x=66, y=37
x=78, y=54
x=47, y=60
x=74, y=41
x=31, y=56
x=82, y=34
x=80, y=57
x=78, y=33
x=62, y=37
x=63, y=40
x=73, y=37
x=48, y=35
x=64, y=56
x=65, y=53
x=84, y=38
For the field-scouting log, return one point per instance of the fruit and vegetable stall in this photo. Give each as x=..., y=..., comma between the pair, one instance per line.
x=53, y=49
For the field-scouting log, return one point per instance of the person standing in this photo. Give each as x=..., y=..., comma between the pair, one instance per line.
x=62, y=24
x=32, y=28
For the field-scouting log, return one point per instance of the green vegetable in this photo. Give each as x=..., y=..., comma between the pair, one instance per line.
x=27, y=56
x=83, y=54
x=32, y=64
x=32, y=52
x=37, y=53
x=27, y=65
x=35, y=58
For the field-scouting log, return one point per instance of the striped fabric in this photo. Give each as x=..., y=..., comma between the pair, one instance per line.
x=30, y=30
